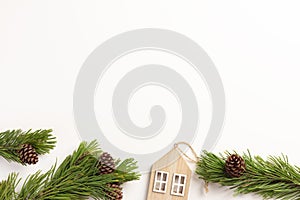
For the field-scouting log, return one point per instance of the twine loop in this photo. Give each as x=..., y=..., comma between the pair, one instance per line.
x=195, y=160
x=196, y=157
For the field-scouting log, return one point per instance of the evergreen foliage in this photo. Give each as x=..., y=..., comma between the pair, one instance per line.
x=12, y=141
x=77, y=177
x=270, y=178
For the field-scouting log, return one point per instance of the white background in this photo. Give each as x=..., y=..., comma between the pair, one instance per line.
x=254, y=44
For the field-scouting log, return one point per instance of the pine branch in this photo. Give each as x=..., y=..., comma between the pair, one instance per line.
x=126, y=170
x=77, y=177
x=11, y=142
x=271, y=178
x=8, y=187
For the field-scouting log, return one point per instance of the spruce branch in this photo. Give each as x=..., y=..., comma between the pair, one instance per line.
x=11, y=142
x=77, y=177
x=270, y=178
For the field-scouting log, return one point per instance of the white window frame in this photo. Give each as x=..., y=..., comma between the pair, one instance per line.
x=178, y=184
x=160, y=182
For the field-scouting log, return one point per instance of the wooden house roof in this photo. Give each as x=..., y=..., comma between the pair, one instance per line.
x=170, y=158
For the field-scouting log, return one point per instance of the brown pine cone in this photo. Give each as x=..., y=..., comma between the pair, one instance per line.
x=116, y=192
x=235, y=166
x=106, y=164
x=28, y=154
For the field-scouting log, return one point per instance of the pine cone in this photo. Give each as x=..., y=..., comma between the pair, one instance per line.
x=116, y=192
x=235, y=166
x=106, y=164
x=28, y=154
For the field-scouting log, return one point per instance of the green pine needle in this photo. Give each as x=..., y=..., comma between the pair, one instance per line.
x=8, y=187
x=271, y=178
x=77, y=177
x=11, y=141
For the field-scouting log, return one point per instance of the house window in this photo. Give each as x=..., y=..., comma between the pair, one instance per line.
x=178, y=184
x=160, y=182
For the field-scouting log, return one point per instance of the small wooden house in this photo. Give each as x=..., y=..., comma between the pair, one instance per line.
x=170, y=178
